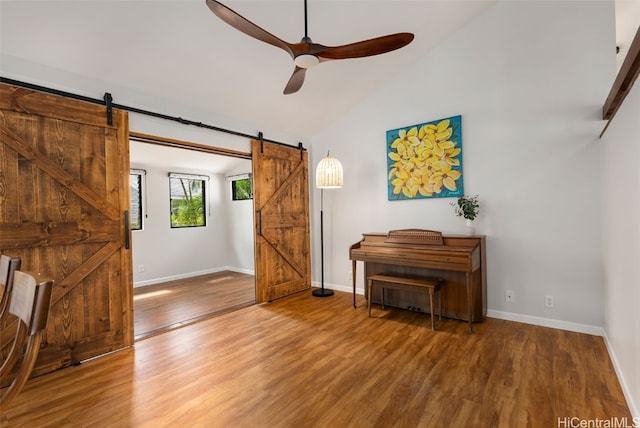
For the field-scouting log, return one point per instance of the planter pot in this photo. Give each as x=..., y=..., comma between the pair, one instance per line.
x=470, y=227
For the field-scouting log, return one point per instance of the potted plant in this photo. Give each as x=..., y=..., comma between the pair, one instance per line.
x=467, y=207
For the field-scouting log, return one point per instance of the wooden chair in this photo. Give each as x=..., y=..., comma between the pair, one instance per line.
x=30, y=301
x=8, y=265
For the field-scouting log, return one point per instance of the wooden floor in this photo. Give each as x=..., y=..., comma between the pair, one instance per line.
x=304, y=361
x=161, y=307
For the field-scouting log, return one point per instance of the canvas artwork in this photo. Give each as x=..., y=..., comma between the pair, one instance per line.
x=425, y=160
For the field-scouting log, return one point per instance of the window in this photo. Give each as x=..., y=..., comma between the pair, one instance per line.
x=242, y=189
x=241, y=186
x=187, y=200
x=136, y=183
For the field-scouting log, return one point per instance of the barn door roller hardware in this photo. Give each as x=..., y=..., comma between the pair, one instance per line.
x=108, y=99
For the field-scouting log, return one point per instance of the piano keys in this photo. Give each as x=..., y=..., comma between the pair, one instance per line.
x=460, y=260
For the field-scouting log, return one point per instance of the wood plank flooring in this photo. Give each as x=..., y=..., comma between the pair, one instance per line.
x=172, y=304
x=304, y=361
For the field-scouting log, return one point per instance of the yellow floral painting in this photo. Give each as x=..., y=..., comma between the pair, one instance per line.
x=425, y=160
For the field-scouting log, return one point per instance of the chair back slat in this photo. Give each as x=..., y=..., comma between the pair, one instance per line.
x=31, y=299
x=8, y=266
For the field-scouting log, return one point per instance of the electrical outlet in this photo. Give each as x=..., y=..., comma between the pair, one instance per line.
x=510, y=296
x=350, y=275
x=548, y=301
x=140, y=268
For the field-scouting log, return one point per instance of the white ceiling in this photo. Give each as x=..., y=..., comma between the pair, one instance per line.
x=170, y=56
x=178, y=53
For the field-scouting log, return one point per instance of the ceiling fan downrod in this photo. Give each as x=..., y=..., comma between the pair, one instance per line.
x=306, y=35
x=306, y=60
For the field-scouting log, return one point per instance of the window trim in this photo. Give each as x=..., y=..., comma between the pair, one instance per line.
x=196, y=177
x=240, y=177
x=142, y=197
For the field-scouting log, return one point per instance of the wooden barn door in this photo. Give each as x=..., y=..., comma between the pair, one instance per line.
x=281, y=203
x=64, y=192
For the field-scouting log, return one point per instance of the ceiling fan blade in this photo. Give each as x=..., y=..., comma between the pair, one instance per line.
x=365, y=48
x=242, y=24
x=295, y=81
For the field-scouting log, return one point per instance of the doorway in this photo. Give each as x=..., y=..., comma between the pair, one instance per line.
x=185, y=274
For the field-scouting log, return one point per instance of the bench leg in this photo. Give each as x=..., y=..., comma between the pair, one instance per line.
x=382, y=292
x=431, y=297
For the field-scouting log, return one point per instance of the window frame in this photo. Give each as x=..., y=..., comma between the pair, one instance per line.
x=142, y=183
x=234, y=180
x=203, y=206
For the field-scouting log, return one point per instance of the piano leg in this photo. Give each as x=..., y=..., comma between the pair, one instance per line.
x=353, y=280
x=470, y=301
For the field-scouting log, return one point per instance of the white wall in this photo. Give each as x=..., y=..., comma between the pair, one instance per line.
x=168, y=253
x=225, y=243
x=620, y=149
x=529, y=79
x=240, y=230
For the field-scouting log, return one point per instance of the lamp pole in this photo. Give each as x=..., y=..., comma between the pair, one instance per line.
x=321, y=292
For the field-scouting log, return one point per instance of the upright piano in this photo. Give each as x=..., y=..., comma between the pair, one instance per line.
x=458, y=259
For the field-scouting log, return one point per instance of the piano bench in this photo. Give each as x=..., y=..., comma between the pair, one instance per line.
x=430, y=285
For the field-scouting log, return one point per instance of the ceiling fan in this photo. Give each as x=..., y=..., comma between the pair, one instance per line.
x=307, y=54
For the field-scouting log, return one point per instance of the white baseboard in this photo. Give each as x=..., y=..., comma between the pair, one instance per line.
x=189, y=275
x=509, y=316
x=547, y=322
x=240, y=270
x=635, y=412
x=336, y=287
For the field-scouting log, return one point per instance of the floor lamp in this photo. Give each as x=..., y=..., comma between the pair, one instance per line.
x=328, y=176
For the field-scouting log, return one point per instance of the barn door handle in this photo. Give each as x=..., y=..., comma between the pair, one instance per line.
x=127, y=242
x=259, y=222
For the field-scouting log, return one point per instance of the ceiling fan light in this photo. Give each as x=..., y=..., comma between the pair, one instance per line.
x=306, y=60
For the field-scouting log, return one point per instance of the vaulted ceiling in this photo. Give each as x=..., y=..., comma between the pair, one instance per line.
x=177, y=58
x=170, y=56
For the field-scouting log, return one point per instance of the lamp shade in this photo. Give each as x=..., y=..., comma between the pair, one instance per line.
x=329, y=173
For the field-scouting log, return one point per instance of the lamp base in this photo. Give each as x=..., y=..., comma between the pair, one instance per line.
x=322, y=292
